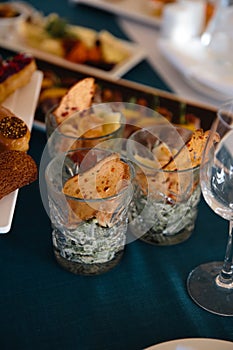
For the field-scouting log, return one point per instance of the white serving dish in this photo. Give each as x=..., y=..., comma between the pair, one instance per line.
x=23, y=104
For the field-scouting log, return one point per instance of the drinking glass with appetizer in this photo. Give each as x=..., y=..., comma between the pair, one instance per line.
x=89, y=191
x=167, y=191
x=77, y=122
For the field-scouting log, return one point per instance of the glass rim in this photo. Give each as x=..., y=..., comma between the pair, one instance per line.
x=121, y=123
x=227, y=103
x=161, y=170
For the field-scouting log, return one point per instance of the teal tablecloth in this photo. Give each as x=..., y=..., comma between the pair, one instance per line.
x=143, y=301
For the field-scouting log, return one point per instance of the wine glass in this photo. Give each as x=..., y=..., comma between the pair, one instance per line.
x=211, y=284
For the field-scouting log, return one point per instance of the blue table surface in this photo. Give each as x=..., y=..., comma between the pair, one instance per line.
x=142, y=301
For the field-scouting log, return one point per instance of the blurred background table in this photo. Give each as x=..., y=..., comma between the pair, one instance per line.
x=141, y=302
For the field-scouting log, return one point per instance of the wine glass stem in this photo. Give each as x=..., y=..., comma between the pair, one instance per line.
x=225, y=277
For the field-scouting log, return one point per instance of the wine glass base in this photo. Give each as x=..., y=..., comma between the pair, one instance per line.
x=204, y=291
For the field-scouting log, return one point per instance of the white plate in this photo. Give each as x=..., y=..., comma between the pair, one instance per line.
x=201, y=69
x=194, y=344
x=133, y=9
x=136, y=55
x=22, y=103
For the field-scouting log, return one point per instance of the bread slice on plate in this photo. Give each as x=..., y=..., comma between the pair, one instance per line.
x=17, y=169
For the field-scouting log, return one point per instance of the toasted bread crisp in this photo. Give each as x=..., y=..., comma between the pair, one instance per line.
x=171, y=182
x=17, y=169
x=106, y=179
x=190, y=155
x=77, y=98
x=196, y=146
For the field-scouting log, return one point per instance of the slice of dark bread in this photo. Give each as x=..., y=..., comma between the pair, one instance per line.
x=17, y=169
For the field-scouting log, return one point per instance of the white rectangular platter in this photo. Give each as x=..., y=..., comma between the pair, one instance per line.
x=23, y=104
x=136, y=54
x=133, y=9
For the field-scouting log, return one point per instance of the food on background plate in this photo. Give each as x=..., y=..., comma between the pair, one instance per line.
x=52, y=34
x=15, y=72
x=105, y=179
x=14, y=133
x=17, y=169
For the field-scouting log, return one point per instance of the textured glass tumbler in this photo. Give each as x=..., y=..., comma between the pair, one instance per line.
x=165, y=203
x=83, y=245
